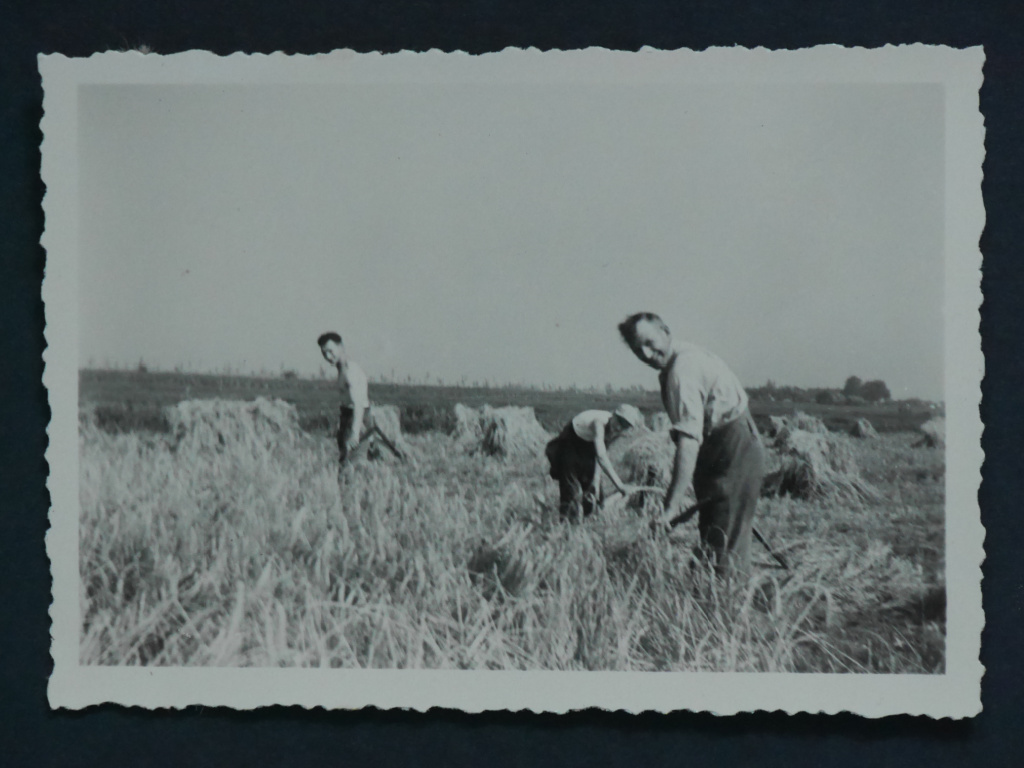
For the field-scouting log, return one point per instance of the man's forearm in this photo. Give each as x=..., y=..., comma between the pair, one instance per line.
x=682, y=470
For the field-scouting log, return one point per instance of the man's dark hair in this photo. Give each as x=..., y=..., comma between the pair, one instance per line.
x=329, y=336
x=627, y=328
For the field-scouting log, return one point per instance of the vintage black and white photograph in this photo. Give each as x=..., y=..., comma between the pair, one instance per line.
x=365, y=368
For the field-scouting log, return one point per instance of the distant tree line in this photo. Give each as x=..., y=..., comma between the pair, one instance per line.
x=854, y=392
x=872, y=391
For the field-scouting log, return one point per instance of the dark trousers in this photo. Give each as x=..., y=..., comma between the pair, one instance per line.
x=344, y=426
x=730, y=466
x=574, y=465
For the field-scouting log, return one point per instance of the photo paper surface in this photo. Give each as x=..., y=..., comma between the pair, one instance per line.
x=528, y=380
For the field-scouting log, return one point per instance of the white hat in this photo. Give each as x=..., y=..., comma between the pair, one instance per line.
x=629, y=414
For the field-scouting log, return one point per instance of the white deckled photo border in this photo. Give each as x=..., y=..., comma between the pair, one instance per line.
x=955, y=693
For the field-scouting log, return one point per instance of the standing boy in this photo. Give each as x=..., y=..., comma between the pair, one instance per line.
x=354, y=389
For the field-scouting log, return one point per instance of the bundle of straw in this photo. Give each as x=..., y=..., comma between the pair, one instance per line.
x=775, y=425
x=807, y=423
x=512, y=432
x=816, y=466
x=660, y=422
x=215, y=426
x=504, y=433
x=467, y=430
x=933, y=433
x=643, y=457
x=388, y=419
x=864, y=429
x=780, y=426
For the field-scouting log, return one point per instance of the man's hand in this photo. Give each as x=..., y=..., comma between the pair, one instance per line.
x=660, y=520
x=682, y=472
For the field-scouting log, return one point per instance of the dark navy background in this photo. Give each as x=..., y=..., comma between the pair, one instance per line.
x=30, y=734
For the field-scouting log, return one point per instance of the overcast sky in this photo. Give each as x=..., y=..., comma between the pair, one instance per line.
x=501, y=232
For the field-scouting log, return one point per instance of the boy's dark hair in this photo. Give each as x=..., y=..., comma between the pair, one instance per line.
x=329, y=336
x=627, y=328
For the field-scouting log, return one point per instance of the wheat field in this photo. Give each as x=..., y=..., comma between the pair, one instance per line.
x=254, y=554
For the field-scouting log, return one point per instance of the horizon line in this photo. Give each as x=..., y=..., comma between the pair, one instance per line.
x=438, y=382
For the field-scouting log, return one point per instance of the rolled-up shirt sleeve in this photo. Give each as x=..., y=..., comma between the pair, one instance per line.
x=684, y=403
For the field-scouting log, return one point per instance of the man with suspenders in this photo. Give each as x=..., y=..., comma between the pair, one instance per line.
x=716, y=443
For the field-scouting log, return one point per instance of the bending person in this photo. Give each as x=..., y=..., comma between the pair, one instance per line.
x=580, y=449
x=716, y=443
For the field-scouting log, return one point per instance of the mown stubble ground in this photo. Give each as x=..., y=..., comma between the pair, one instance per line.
x=248, y=556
